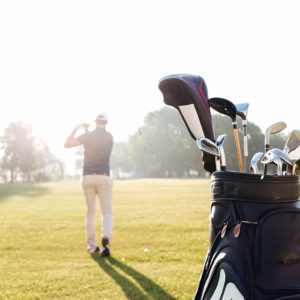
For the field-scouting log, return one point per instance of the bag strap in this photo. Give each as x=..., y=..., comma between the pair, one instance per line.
x=206, y=266
x=248, y=263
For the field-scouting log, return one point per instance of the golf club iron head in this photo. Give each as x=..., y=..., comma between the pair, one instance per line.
x=296, y=167
x=220, y=145
x=209, y=147
x=295, y=157
x=255, y=159
x=292, y=142
x=272, y=158
x=275, y=128
x=295, y=154
x=283, y=156
x=273, y=155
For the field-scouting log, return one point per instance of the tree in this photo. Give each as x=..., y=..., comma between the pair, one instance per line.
x=120, y=161
x=79, y=160
x=162, y=147
x=48, y=167
x=27, y=155
x=165, y=148
x=18, y=145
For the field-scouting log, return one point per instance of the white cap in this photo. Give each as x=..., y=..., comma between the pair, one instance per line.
x=102, y=117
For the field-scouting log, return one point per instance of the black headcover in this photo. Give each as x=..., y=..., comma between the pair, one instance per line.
x=188, y=94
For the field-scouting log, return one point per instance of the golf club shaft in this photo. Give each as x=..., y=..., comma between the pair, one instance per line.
x=238, y=148
x=267, y=147
x=245, y=144
x=218, y=164
x=295, y=168
x=223, y=160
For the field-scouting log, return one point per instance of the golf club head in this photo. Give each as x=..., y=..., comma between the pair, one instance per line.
x=227, y=108
x=279, y=164
x=296, y=167
x=242, y=110
x=283, y=156
x=267, y=158
x=295, y=154
x=255, y=159
x=223, y=106
x=275, y=128
x=220, y=145
x=221, y=139
x=272, y=158
x=292, y=142
x=188, y=94
x=208, y=146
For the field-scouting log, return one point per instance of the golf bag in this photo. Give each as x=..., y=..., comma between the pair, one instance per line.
x=254, y=249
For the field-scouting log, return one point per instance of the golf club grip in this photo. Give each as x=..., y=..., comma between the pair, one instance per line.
x=238, y=148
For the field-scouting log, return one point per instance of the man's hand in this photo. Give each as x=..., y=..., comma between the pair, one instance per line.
x=81, y=125
x=71, y=140
x=86, y=126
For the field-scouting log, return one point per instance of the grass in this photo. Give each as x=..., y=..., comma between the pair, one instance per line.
x=42, y=241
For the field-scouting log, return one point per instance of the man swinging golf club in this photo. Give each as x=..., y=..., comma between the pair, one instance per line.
x=96, y=180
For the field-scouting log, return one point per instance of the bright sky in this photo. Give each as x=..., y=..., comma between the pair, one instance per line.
x=63, y=62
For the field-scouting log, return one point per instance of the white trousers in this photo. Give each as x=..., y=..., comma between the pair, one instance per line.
x=101, y=186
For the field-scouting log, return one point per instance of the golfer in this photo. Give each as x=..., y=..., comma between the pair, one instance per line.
x=96, y=180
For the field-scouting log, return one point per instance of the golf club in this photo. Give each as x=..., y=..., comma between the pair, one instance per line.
x=283, y=156
x=293, y=141
x=227, y=108
x=296, y=167
x=295, y=154
x=255, y=159
x=208, y=146
x=295, y=157
x=188, y=94
x=220, y=144
x=272, y=155
x=242, y=111
x=272, y=158
x=275, y=128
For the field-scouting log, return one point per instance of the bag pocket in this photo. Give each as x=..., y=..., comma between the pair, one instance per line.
x=224, y=279
x=277, y=263
x=224, y=282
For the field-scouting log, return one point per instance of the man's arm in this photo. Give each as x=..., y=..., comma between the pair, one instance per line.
x=71, y=140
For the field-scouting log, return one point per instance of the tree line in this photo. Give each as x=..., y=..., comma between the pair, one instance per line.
x=162, y=147
x=26, y=157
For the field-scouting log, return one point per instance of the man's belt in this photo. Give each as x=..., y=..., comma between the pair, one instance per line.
x=98, y=173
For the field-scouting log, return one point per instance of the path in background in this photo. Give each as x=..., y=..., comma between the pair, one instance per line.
x=42, y=241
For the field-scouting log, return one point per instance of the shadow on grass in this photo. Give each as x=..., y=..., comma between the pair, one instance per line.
x=132, y=291
x=22, y=189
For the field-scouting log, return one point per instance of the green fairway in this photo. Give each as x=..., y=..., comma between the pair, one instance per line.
x=42, y=241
